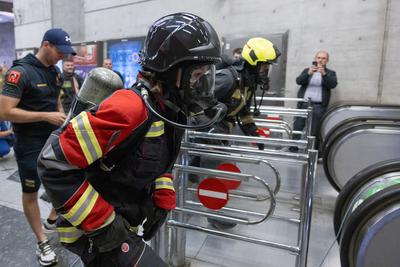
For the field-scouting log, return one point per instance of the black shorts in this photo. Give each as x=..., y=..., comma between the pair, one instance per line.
x=27, y=150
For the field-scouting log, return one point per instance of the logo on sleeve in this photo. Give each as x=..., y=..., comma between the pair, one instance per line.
x=14, y=77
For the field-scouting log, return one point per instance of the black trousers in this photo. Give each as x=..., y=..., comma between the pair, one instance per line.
x=132, y=253
x=299, y=123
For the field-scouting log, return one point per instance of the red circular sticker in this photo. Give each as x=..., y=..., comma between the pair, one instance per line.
x=229, y=183
x=213, y=193
x=229, y=167
x=263, y=132
x=125, y=247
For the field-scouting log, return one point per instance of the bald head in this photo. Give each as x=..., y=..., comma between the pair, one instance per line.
x=322, y=57
x=107, y=63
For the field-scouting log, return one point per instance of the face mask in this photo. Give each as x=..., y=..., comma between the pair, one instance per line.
x=197, y=85
x=262, y=78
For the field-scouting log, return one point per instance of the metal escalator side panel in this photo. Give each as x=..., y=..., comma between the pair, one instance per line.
x=357, y=147
x=335, y=116
x=361, y=148
x=380, y=170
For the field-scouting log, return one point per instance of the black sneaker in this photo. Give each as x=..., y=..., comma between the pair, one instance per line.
x=46, y=254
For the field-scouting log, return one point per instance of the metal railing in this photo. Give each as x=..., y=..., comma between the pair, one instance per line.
x=275, y=124
x=284, y=111
x=173, y=248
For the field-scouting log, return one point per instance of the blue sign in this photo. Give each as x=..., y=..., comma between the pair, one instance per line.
x=125, y=59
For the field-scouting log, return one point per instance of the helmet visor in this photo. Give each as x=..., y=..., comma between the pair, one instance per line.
x=199, y=84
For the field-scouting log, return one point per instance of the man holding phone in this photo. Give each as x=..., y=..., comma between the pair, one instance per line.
x=315, y=83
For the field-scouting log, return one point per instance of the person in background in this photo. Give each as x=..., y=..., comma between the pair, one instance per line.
x=108, y=170
x=237, y=53
x=30, y=100
x=107, y=63
x=72, y=82
x=316, y=83
x=6, y=138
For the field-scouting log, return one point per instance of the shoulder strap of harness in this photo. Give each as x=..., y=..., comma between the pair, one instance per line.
x=132, y=142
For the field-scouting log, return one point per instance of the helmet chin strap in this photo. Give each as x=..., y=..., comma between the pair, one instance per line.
x=221, y=111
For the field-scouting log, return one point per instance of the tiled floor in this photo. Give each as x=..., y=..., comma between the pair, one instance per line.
x=17, y=241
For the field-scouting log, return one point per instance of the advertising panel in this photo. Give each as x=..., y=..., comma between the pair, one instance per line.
x=87, y=57
x=124, y=54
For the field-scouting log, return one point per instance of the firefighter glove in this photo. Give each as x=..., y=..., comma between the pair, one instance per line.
x=250, y=129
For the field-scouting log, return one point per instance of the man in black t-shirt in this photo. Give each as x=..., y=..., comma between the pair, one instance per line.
x=30, y=100
x=72, y=82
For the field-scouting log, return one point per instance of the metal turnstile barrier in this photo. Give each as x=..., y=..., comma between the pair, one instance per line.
x=170, y=241
x=275, y=126
x=284, y=111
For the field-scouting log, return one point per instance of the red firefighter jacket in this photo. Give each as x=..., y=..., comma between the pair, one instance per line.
x=105, y=161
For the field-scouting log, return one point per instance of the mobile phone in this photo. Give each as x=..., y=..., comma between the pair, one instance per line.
x=315, y=63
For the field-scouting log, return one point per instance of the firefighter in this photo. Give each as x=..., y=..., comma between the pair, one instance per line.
x=107, y=170
x=236, y=84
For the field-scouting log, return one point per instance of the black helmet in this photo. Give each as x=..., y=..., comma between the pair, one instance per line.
x=180, y=37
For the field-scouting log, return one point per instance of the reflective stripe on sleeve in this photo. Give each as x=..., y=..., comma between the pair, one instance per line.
x=164, y=183
x=156, y=129
x=247, y=119
x=109, y=220
x=86, y=137
x=69, y=234
x=50, y=160
x=82, y=207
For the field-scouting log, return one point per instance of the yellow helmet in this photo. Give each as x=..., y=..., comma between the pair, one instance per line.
x=259, y=50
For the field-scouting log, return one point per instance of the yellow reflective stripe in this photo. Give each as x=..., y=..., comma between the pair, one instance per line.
x=157, y=123
x=158, y=187
x=238, y=107
x=82, y=207
x=156, y=129
x=86, y=137
x=81, y=141
x=91, y=134
x=155, y=134
x=164, y=183
x=69, y=234
x=246, y=119
x=134, y=229
x=164, y=179
x=237, y=94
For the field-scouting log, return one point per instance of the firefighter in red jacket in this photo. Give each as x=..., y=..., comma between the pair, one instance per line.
x=106, y=170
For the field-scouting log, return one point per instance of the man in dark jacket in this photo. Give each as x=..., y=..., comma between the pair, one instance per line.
x=316, y=83
x=30, y=100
